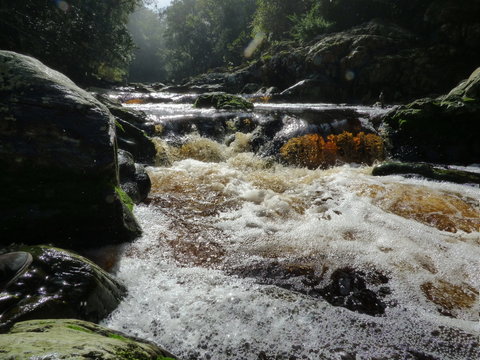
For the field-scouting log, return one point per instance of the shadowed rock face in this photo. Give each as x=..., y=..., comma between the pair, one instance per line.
x=59, y=284
x=440, y=130
x=58, y=161
x=359, y=64
x=74, y=339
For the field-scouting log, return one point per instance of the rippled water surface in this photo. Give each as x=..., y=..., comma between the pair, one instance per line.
x=244, y=258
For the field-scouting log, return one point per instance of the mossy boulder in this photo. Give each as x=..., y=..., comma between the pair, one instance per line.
x=59, y=284
x=223, y=101
x=58, y=161
x=74, y=340
x=440, y=130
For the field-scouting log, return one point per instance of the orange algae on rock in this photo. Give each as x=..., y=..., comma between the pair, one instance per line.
x=450, y=297
x=314, y=151
x=445, y=211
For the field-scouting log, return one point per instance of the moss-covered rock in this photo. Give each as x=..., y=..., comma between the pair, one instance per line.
x=59, y=284
x=223, y=101
x=74, y=340
x=428, y=171
x=440, y=130
x=58, y=161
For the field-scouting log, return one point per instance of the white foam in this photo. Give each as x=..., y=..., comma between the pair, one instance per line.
x=283, y=212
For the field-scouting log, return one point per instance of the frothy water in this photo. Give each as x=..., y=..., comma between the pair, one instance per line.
x=237, y=253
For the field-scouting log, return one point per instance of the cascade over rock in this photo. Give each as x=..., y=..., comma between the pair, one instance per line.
x=59, y=284
x=58, y=160
x=74, y=339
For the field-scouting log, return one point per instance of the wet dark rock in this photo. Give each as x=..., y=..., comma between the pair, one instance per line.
x=134, y=180
x=74, y=339
x=134, y=117
x=440, y=130
x=126, y=165
x=135, y=141
x=348, y=288
x=140, y=87
x=251, y=88
x=352, y=289
x=143, y=182
x=59, y=284
x=428, y=171
x=223, y=101
x=309, y=89
x=58, y=161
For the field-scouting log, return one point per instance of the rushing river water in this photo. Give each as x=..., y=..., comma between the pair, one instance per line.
x=245, y=258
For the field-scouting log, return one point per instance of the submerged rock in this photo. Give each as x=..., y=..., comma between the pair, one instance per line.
x=59, y=284
x=74, y=339
x=58, y=161
x=349, y=288
x=223, y=101
x=428, y=171
x=440, y=130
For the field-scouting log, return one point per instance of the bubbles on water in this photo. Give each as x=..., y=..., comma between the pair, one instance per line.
x=230, y=209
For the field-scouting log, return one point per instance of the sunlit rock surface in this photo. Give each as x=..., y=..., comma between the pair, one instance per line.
x=58, y=160
x=59, y=284
x=74, y=339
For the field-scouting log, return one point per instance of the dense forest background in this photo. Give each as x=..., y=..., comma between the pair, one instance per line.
x=114, y=40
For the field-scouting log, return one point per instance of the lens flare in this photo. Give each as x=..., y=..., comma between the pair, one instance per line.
x=349, y=75
x=62, y=5
x=254, y=44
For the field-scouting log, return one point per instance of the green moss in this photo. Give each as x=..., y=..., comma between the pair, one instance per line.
x=119, y=126
x=127, y=200
x=78, y=328
x=118, y=337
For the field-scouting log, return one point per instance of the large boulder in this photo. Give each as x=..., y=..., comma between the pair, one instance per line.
x=439, y=130
x=59, y=284
x=58, y=160
x=72, y=340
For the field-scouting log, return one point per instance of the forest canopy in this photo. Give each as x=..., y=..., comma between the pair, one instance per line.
x=86, y=39
x=92, y=40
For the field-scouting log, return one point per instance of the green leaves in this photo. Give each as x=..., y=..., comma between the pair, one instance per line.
x=85, y=39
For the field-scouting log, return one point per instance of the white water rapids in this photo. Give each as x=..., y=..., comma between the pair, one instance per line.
x=216, y=231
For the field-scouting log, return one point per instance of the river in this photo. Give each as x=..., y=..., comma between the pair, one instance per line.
x=244, y=257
